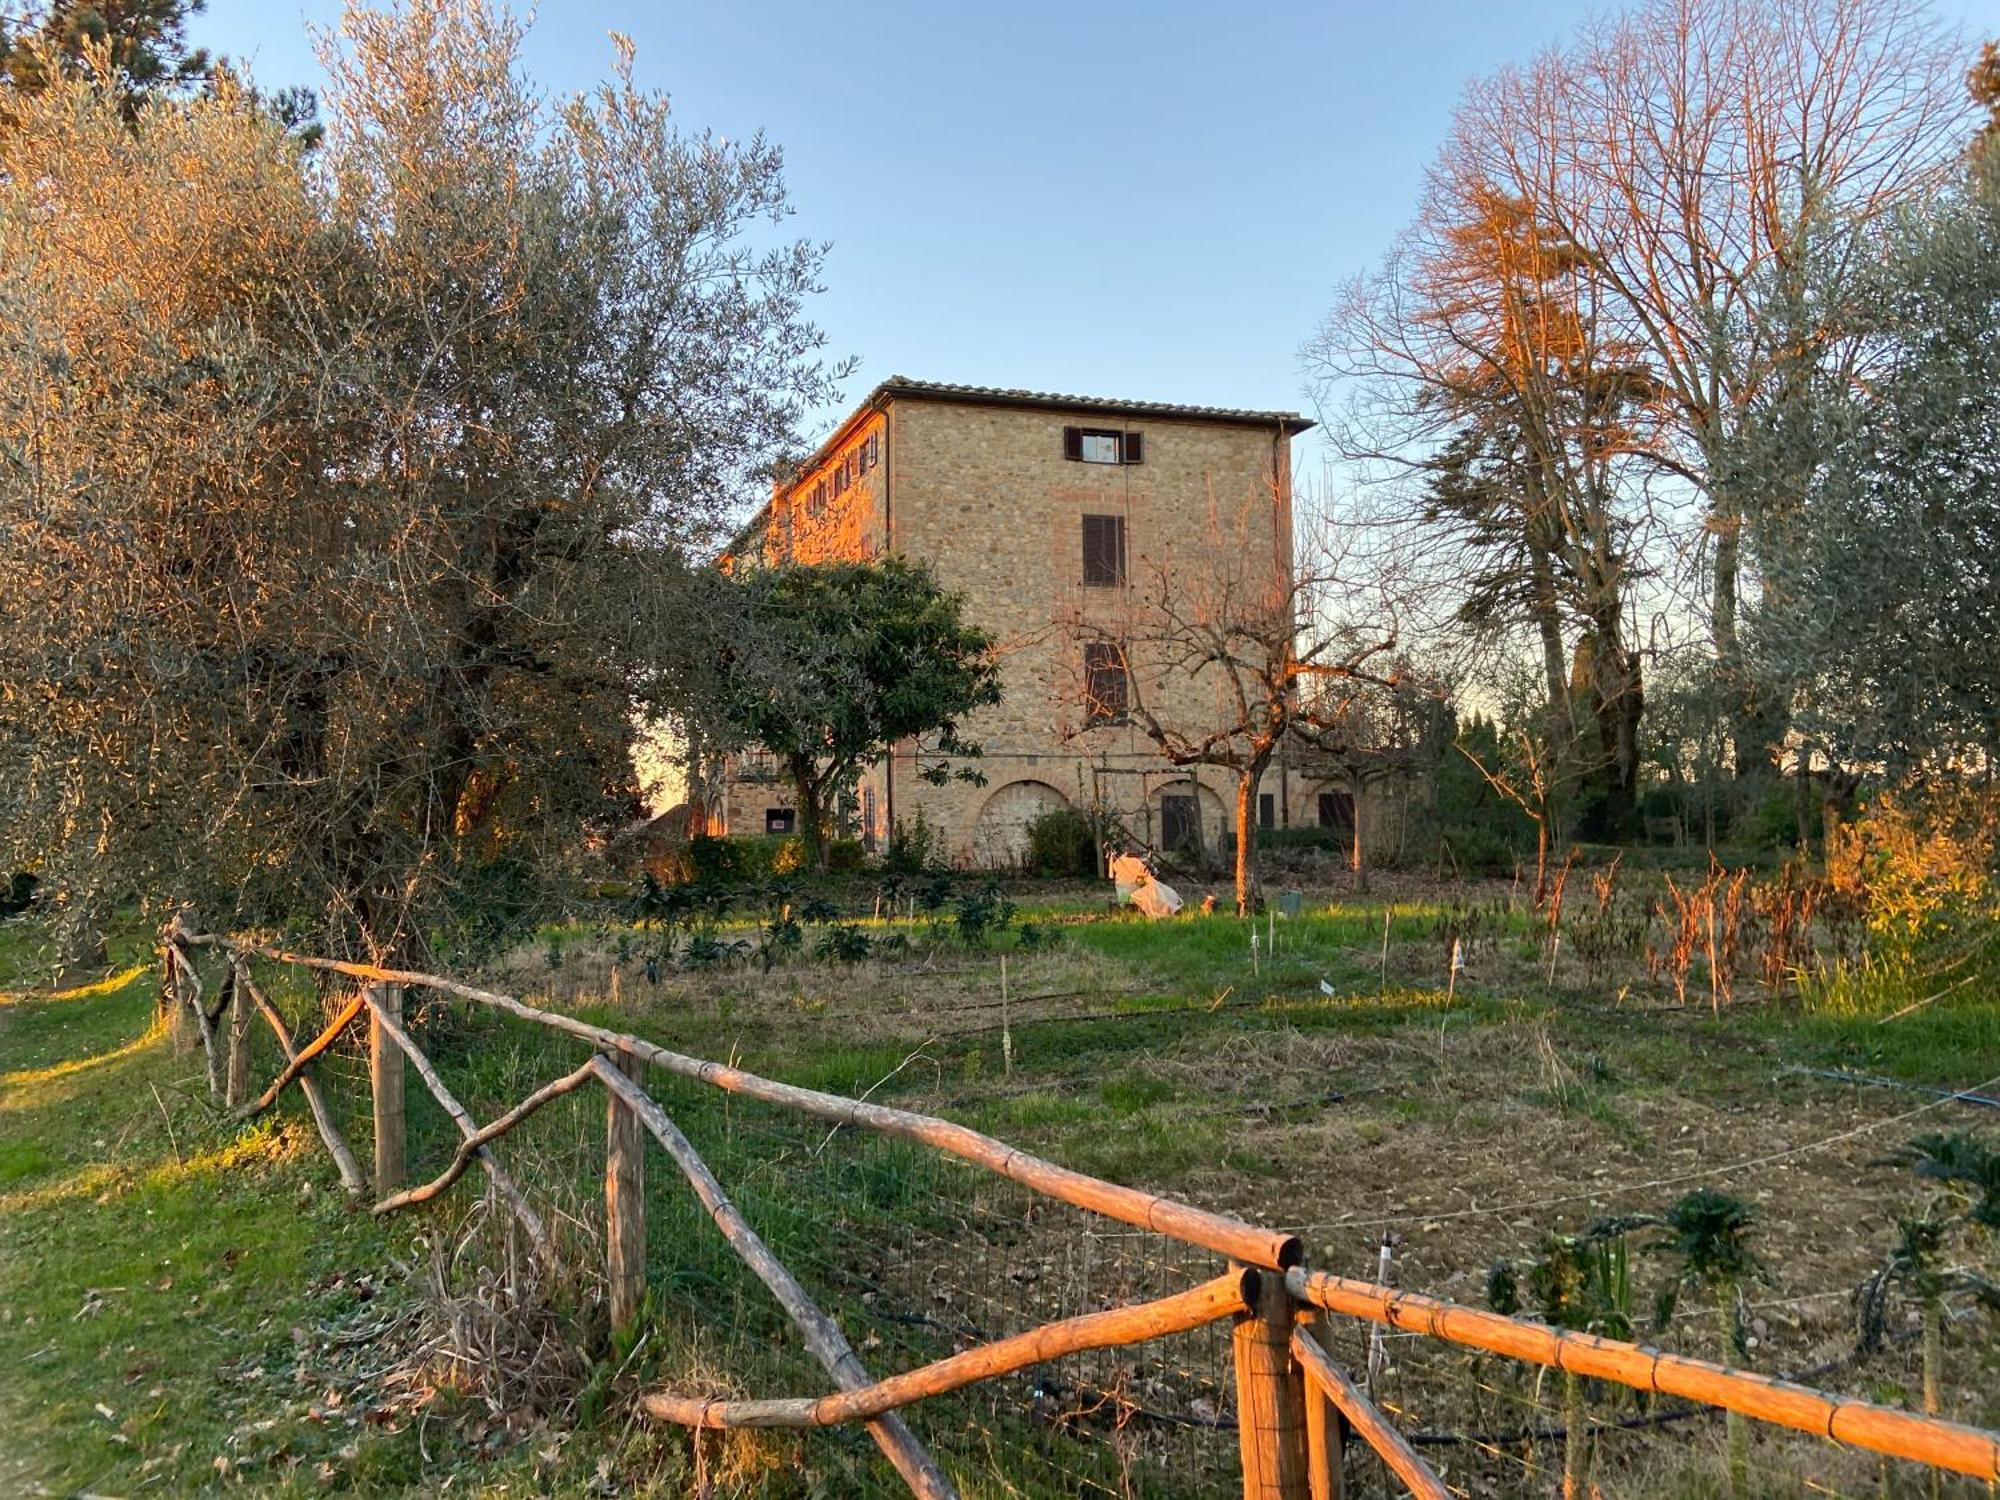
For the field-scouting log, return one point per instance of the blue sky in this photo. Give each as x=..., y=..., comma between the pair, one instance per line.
x=1148, y=200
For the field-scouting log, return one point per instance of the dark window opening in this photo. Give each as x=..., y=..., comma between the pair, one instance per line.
x=1179, y=832
x=1105, y=685
x=1267, y=810
x=1336, y=811
x=1102, y=445
x=780, y=819
x=1103, y=550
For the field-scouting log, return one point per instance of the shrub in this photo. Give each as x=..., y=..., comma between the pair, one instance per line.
x=1920, y=865
x=914, y=847
x=981, y=913
x=1062, y=842
x=709, y=860
x=1310, y=836
x=845, y=856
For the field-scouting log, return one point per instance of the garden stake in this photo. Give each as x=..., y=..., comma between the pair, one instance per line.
x=1253, y=951
x=1378, y=1348
x=1385, y=947
x=1006, y=1028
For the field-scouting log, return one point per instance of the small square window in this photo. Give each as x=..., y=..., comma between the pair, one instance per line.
x=780, y=819
x=1102, y=445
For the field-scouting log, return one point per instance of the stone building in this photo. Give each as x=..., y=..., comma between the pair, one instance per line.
x=1042, y=510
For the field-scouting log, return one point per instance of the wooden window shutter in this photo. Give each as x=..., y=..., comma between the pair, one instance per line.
x=1073, y=443
x=1103, y=549
x=1135, y=448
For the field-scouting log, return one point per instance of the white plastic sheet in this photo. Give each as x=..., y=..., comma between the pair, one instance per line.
x=1156, y=900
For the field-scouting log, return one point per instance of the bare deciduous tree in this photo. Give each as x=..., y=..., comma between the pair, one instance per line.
x=1230, y=646
x=1670, y=155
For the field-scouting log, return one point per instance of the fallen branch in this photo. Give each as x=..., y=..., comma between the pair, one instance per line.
x=1223, y=1297
x=822, y=1335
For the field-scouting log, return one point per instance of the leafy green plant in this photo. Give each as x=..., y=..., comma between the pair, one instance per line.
x=782, y=935
x=1583, y=1283
x=845, y=856
x=915, y=847
x=843, y=943
x=1919, y=1263
x=981, y=913
x=707, y=951
x=1708, y=1235
x=1032, y=937
x=1063, y=842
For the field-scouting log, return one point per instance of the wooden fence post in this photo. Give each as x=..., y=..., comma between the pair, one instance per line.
x=236, y=1086
x=173, y=996
x=1270, y=1397
x=386, y=1075
x=625, y=1198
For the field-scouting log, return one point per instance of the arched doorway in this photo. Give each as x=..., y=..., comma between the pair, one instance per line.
x=1000, y=833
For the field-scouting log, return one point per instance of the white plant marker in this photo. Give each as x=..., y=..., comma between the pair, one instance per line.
x=1006, y=1027
x=1385, y=947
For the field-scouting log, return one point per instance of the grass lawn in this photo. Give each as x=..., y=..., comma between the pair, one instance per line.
x=187, y=1304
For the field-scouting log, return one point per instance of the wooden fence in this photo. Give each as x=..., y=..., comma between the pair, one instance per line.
x=1296, y=1410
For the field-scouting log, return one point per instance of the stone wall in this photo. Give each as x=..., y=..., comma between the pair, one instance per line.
x=986, y=496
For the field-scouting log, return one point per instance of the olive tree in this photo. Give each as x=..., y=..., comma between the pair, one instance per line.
x=343, y=532
x=1883, y=548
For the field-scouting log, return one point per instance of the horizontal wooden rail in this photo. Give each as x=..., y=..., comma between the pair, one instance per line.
x=1226, y=1296
x=1241, y=1241
x=1363, y=1417
x=1860, y=1424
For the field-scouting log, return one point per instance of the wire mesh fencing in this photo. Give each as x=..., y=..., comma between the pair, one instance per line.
x=918, y=1255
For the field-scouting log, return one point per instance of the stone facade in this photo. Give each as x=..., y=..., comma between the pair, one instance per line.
x=991, y=488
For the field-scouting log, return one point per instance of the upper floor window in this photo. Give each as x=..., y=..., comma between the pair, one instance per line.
x=1106, y=688
x=1103, y=550
x=1102, y=445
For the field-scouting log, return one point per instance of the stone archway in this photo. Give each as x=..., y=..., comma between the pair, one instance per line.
x=999, y=835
